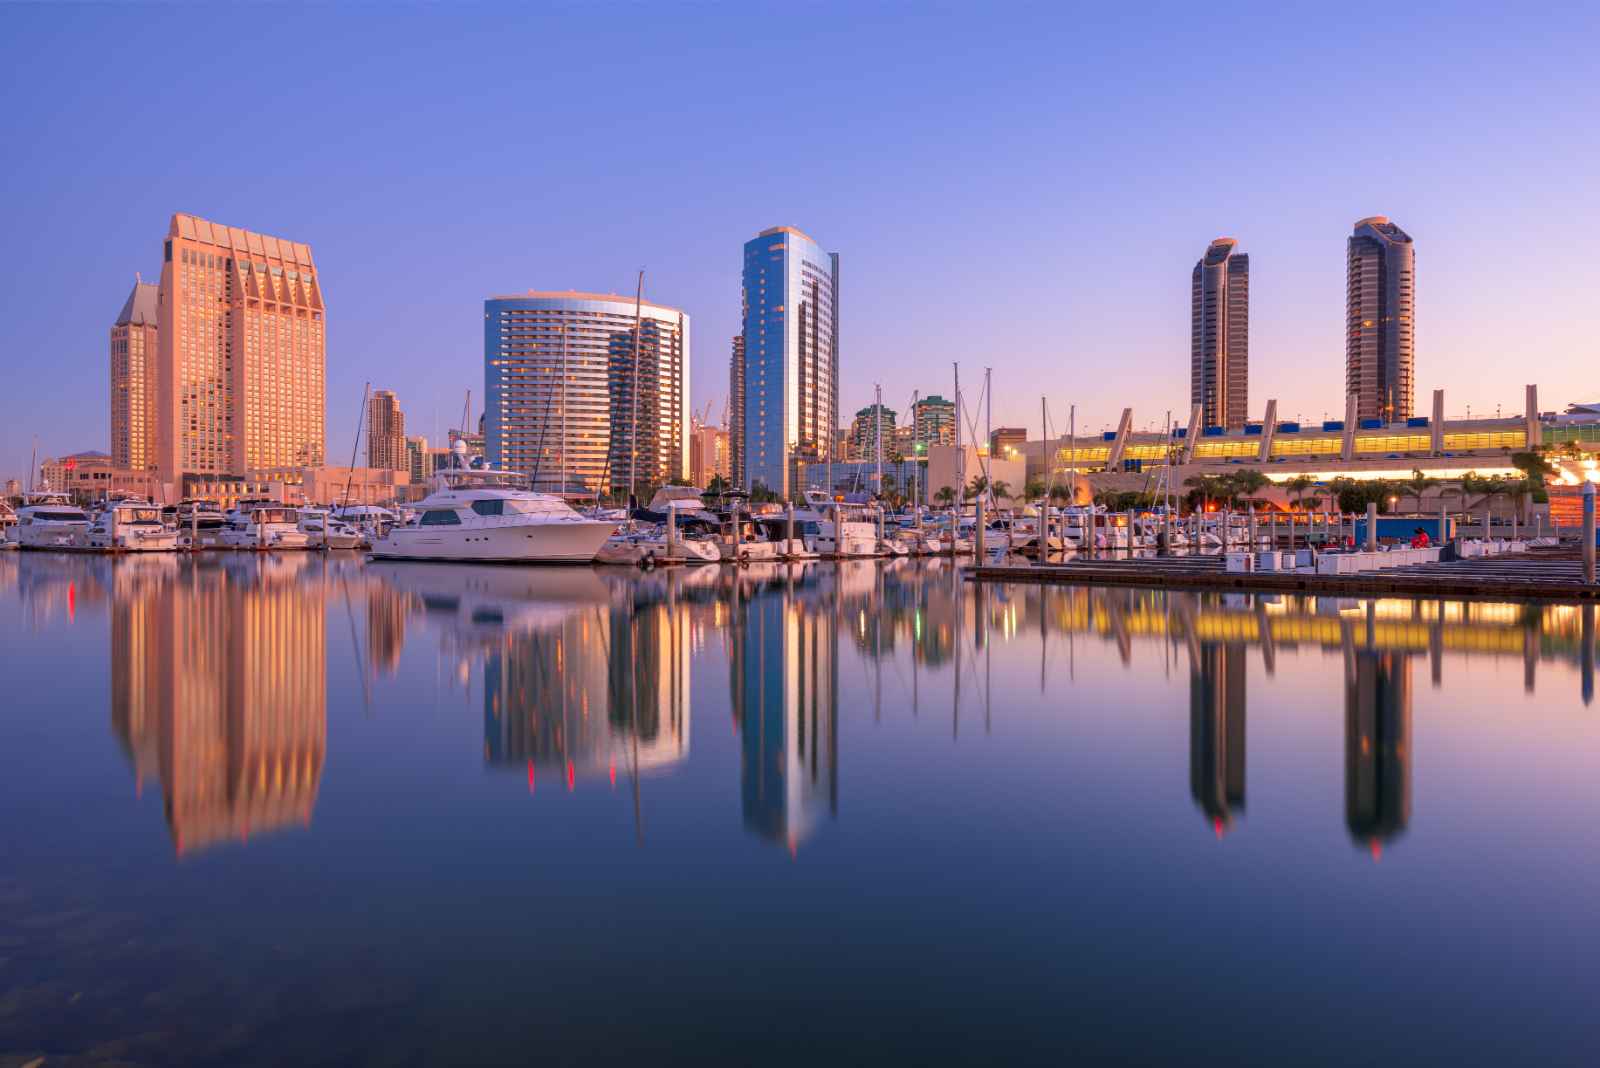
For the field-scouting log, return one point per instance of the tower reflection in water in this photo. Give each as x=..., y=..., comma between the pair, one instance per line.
x=784, y=681
x=1217, y=689
x=219, y=692
x=1377, y=745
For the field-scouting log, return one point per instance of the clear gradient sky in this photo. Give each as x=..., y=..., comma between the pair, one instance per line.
x=1025, y=187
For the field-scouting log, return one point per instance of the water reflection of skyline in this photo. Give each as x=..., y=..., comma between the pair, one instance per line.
x=219, y=671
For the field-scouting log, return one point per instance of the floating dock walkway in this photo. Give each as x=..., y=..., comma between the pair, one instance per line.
x=1550, y=575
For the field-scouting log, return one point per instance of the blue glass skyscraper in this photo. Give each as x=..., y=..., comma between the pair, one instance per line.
x=784, y=381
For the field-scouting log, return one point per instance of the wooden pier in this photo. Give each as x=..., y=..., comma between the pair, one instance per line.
x=1540, y=575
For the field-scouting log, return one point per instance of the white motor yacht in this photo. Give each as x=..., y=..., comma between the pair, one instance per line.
x=199, y=524
x=264, y=527
x=841, y=529
x=324, y=531
x=8, y=522
x=486, y=515
x=50, y=521
x=130, y=527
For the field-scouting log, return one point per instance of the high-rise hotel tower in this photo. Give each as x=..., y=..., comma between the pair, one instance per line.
x=1380, y=310
x=1219, y=335
x=787, y=399
x=240, y=383
x=135, y=347
x=564, y=397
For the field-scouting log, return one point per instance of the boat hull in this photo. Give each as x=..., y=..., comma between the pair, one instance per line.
x=50, y=537
x=525, y=543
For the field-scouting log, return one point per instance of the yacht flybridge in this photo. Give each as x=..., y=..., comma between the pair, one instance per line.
x=478, y=514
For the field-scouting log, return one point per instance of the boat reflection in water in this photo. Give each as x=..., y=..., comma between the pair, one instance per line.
x=581, y=676
x=219, y=693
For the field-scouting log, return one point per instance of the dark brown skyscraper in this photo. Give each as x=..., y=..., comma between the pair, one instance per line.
x=1380, y=303
x=1219, y=343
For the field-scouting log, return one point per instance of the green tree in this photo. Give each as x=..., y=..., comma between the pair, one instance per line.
x=1034, y=490
x=1299, y=486
x=1000, y=489
x=717, y=486
x=1061, y=494
x=1241, y=484
x=1203, y=489
x=1418, y=484
x=975, y=488
x=946, y=496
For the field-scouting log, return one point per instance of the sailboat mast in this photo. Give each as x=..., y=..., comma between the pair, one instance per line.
x=563, y=409
x=356, y=444
x=961, y=453
x=633, y=392
x=877, y=421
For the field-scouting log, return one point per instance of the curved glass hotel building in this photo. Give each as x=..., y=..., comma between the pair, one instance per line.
x=562, y=395
x=784, y=381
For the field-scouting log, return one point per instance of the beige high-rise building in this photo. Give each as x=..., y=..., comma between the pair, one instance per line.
x=708, y=454
x=241, y=376
x=134, y=351
x=386, y=433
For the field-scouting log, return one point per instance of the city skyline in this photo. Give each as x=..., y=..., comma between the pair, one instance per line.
x=413, y=263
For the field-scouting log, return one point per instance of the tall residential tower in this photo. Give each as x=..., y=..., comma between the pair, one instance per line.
x=787, y=406
x=134, y=350
x=1380, y=309
x=1219, y=335
x=241, y=377
x=386, y=433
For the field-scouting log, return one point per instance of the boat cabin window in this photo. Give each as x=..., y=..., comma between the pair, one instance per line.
x=62, y=517
x=276, y=515
x=439, y=517
x=496, y=506
x=144, y=515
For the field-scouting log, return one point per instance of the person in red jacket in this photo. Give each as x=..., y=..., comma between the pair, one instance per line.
x=1419, y=540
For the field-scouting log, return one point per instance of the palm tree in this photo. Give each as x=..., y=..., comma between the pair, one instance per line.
x=998, y=489
x=1060, y=495
x=946, y=496
x=1206, y=486
x=976, y=487
x=1246, y=483
x=1034, y=490
x=1298, y=486
x=1419, y=484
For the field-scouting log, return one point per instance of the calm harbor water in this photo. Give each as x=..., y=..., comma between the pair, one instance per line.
x=308, y=810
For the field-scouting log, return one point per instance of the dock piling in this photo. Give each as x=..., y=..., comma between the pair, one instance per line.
x=1588, y=533
x=1372, y=526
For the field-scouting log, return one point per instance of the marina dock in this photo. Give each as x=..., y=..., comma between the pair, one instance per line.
x=1541, y=575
